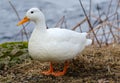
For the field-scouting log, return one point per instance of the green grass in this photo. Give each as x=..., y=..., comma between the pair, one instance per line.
x=12, y=53
x=11, y=44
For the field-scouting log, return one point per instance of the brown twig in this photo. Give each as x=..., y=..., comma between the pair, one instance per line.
x=109, y=7
x=78, y=24
x=18, y=18
x=60, y=22
x=90, y=7
x=89, y=23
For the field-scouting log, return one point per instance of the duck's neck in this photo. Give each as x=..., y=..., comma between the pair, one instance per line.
x=40, y=25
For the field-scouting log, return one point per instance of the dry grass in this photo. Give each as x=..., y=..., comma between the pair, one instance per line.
x=93, y=65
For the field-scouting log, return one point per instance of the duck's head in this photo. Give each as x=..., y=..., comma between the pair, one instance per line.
x=33, y=14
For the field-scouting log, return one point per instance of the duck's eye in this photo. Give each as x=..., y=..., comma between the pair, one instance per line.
x=32, y=12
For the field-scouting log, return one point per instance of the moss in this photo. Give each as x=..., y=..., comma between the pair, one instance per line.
x=11, y=44
x=15, y=51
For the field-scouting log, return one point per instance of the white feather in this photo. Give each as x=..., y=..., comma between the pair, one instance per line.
x=54, y=44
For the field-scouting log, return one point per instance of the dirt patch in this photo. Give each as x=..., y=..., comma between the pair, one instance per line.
x=93, y=65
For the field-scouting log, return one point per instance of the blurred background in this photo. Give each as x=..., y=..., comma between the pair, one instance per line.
x=98, y=11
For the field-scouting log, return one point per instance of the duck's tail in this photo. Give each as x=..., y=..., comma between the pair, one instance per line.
x=88, y=42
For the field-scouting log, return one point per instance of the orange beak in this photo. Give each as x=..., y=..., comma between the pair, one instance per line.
x=24, y=20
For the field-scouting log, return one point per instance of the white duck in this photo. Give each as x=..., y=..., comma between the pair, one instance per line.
x=54, y=44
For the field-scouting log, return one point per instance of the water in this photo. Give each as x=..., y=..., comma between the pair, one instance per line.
x=52, y=9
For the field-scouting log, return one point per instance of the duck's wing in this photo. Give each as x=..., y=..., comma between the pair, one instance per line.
x=64, y=35
x=64, y=44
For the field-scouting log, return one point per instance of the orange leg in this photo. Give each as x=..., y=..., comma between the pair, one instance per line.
x=49, y=71
x=66, y=65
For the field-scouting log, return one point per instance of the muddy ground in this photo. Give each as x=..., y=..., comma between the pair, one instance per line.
x=93, y=65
